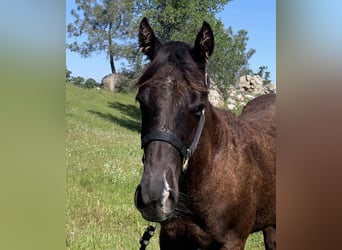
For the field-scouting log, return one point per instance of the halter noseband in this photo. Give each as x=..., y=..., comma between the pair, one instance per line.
x=170, y=138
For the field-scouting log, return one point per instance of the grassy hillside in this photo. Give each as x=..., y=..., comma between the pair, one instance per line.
x=103, y=169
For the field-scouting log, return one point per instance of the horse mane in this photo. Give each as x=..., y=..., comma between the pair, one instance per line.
x=174, y=59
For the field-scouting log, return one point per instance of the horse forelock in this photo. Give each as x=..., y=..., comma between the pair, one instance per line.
x=174, y=61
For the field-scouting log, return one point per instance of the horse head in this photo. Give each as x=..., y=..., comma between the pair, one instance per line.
x=172, y=94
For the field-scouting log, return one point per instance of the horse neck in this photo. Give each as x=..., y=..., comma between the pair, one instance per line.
x=202, y=159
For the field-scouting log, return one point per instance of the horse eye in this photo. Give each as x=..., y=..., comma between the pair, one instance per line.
x=198, y=109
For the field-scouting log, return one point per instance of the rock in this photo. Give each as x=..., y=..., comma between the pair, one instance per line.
x=239, y=97
x=231, y=106
x=109, y=81
x=247, y=88
x=250, y=83
x=250, y=97
x=270, y=88
x=215, y=98
x=231, y=101
x=244, y=82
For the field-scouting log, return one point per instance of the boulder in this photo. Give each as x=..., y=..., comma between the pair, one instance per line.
x=251, y=83
x=231, y=106
x=109, y=81
x=270, y=88
x=215, y=97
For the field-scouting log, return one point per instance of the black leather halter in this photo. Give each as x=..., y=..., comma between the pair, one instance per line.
x=168, y=137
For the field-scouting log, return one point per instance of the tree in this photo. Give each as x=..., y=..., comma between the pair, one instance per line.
x=181, y=20
x=68, y=75
x=265, y=75
x=267, y=78
x=175, y=19
x=230, y=58
x=78, y=80
x=110, y=26
x=90, y=83
x=99, y=26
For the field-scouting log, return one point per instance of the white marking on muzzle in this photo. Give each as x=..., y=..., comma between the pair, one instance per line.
x=165, y=195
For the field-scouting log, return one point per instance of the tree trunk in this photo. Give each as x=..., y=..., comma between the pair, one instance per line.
x=112, y=65
x=111, y=53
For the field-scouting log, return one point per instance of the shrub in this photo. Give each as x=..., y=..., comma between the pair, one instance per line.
x=77, y=80
x=124, y=83
x=90, y=83
x=68, y=75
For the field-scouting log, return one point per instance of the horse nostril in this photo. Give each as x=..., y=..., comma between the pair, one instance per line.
x=139, y=203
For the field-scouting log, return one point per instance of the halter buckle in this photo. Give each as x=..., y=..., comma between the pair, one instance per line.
x=186, y=160
x=185, y=164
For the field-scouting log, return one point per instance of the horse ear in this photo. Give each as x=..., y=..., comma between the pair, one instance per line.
x=148, y=42
x=204, y=44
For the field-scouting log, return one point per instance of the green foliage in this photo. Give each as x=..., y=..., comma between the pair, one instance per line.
x=111, y=25
x=78, y=80
x=105, y=26
x=175, y=20
x=103, y=159
x=267, y=78
x=81, y=82
x=124, y=83
x=68, y=75
x=179, y=20
x=90, y=83
x=230, y=58
x=264, y=74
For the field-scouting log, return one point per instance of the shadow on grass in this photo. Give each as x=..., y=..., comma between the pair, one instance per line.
x=126, y=109
x=132, y=122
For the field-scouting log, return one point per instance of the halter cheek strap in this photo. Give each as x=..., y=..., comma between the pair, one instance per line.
x=170, y=138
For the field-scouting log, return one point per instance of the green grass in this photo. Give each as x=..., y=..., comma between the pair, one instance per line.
x=103, y=169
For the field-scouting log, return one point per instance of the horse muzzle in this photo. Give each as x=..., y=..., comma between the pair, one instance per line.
x=152, y=208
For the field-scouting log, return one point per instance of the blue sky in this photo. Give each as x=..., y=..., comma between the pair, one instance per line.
x=257, y=17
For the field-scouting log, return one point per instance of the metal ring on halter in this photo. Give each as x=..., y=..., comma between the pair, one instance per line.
x=186, y=161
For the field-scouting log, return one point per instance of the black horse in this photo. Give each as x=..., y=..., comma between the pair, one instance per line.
x=209, y=176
